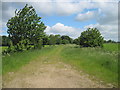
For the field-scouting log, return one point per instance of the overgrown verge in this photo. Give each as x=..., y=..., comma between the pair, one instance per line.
x=97, y=62
x=14, y=61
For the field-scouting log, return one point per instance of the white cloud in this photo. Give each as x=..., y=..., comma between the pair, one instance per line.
x=7, y=13
x=60, y=8
x=26, y=0
x=2, y=31
x=86, y=16
x=68, y=8
x=59, y=0
x=44, y=8
x=106, y=13
x=61, y=29
x=106, y=18
x=104, y=0
x=110, y=11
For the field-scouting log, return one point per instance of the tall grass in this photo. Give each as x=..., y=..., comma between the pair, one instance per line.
x=94, y=61
x=111, y=46
x=16, y=60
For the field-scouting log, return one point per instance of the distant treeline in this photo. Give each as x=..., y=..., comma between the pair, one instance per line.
x=51, y=40
x=110, y=41
x=47, y=40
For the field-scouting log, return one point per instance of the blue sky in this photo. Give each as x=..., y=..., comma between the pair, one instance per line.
x=66, y=20
x=67, y=17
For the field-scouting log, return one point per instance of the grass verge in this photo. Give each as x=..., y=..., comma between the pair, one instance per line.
x=13, y=62
x=95, y=61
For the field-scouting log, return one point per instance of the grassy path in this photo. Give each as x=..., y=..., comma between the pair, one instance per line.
x=48, y=71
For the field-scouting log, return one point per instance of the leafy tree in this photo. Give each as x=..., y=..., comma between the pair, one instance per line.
x=91, y=38
x=38, y=44
x=58, y=39
x=45, y=40
x=65, y=37
x=76, y=41
x=52, y=40
x=64, y=41
x=25, y=24
x=110, y=41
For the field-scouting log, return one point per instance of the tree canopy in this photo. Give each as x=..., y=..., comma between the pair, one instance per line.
x=91, y=38
x=25, y=24
x=66, y=39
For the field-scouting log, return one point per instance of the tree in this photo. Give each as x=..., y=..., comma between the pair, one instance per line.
x=110, y=41
x=65, y=37
x=64, y=41
x=52, y=40
x=58, y=39
x=45, y=40
x=91, y=38
x=76, y=41
x=26, y=24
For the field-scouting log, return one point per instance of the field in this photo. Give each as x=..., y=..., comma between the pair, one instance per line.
x=100, y=64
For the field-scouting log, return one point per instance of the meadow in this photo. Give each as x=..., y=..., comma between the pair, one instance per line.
x=100, y=63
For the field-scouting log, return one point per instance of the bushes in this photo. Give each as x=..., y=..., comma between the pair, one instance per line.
x=5, y=40
x=21, y=46
x=10, y=49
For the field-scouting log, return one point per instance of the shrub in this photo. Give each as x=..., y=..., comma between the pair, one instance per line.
x=10, y=48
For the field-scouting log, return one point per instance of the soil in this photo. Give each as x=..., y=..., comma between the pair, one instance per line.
x=57, y=75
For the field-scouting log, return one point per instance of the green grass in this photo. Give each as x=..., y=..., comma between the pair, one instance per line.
x=16, y=60
x=101, y=63
x=94, y=61
x=2, y=48
x=111, y=46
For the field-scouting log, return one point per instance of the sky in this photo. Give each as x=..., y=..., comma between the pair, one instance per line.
x=69, y=17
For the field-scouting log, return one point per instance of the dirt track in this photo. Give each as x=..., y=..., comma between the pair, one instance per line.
x=50, y=76
x=49, y=72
